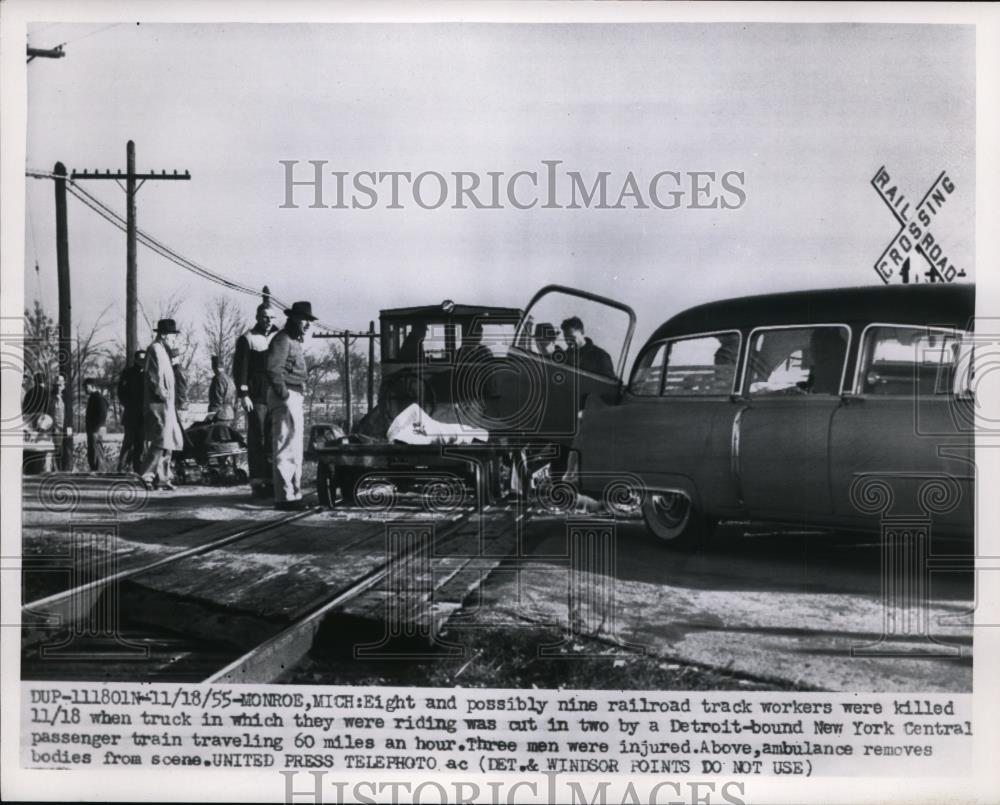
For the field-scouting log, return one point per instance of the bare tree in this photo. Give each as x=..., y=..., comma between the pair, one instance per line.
x=224, y=322
x=41, y=343
x=359, y=367
x=88, y=349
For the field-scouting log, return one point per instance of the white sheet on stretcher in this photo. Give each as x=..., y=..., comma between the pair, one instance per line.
x=415, y=426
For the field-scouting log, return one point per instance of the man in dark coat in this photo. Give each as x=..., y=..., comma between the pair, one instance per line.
x=582, y=352
x=250, y=375
x=131, y=387
x=96, y=420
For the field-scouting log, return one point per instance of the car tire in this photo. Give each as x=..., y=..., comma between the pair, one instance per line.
x=674, y=521
x=347, y=479
x=326, y=490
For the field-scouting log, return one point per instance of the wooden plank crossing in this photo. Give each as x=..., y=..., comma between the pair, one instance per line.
x=267, y=581
x=395, y=598
x=136, y=527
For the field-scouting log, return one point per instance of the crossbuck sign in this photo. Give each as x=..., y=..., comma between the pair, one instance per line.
x=915, y=233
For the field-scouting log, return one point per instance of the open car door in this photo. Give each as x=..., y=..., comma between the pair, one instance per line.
x=547, y=375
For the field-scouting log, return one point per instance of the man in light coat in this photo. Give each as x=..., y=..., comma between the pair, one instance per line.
x=162, y=428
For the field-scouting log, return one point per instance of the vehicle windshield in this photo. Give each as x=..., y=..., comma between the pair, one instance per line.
x=423, y=341
x=412, y=341
x=563, y=325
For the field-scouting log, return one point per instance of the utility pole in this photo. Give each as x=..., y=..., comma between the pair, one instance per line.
x=349, y=338
x=133, y=181
x=371, y=365
x=131, y=259
x=348, y=412
x=65, y=318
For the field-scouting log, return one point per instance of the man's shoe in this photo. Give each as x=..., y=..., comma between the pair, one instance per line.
x=291, y=505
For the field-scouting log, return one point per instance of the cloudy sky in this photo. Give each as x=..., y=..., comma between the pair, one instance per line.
x=807, y=113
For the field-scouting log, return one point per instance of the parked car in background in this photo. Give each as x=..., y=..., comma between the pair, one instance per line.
x=771, y=408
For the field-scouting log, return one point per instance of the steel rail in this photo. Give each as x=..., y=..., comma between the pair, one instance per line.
x=265, y=662
x=66, y=607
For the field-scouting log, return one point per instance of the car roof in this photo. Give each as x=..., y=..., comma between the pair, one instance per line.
x=939, y=304
x=456, y=311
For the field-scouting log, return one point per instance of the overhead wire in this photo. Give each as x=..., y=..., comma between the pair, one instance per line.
x=89, y=34
x=157, y=246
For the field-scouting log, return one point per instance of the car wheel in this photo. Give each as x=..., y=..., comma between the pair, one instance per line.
x=347, y=479
x=674, y=521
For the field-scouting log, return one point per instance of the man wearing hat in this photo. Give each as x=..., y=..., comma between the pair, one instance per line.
x=250, y=374
x=161, y=425
x=131, y=390
x=286, y=375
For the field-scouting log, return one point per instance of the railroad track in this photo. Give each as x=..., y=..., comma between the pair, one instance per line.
x=72, y=605
x=283, y=649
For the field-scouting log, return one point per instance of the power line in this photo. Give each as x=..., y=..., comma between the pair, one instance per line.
x=90, y=33
x=160, y=248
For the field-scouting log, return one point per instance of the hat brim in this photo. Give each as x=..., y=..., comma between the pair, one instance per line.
x=310, y=317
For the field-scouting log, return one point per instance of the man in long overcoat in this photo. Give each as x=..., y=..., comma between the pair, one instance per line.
x=162, y=427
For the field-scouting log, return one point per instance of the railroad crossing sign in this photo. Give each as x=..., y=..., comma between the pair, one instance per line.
x=915, y=235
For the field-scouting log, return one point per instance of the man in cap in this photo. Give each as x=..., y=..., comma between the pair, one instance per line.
x=221, y=395
x=161, y=425
x=58, y=409
x=286, y=375
x=131, y=388
x=250, y=374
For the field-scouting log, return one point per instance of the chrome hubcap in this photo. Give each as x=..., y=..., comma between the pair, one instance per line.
x=671, y=508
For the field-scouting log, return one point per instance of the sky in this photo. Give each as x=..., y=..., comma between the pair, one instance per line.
x=806, y=113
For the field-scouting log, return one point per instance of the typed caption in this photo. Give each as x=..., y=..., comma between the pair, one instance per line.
x=119, y=726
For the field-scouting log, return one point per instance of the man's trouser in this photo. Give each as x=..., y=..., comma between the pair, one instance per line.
x=259, y=444
x=287, y=425
x=156, y=462
x=95, y=450
x=132, y=449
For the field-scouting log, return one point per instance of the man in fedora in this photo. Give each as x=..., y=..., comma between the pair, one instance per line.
x=286, y=375
x=250, y=374
x=162, y=427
